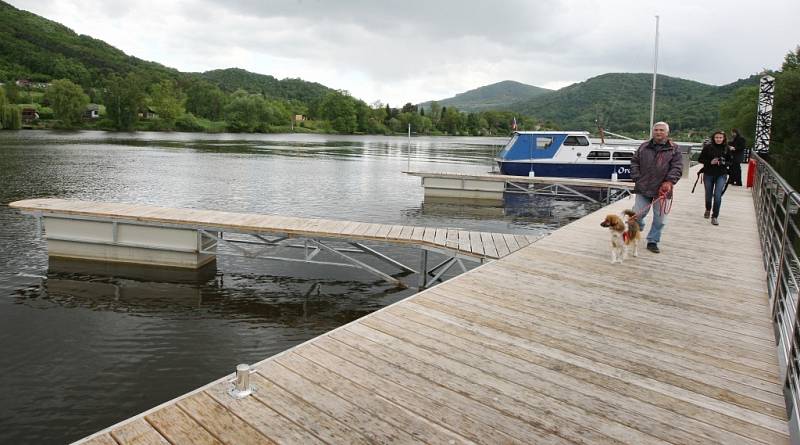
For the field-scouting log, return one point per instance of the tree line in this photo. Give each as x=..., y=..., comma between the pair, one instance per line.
x=137, y=101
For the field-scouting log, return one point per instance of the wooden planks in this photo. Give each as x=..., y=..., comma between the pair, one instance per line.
x=178, y=427
x=220, y=422
x=550, y=344
x=102, y=439
x=138, y=432
x=481, y=245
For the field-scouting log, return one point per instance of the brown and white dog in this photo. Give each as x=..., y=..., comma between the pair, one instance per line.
x=625, y=234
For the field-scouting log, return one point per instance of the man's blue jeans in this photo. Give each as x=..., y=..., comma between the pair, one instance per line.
x=659, y=218
x=714, y=188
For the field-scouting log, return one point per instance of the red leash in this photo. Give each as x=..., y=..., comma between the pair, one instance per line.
x=665, y=205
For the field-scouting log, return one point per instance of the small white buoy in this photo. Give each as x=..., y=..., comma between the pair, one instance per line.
x=614, y=176
x=531, y=174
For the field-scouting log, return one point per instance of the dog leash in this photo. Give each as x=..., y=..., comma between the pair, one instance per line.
x=665, y=205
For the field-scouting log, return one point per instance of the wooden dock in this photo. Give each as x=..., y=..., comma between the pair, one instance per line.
x=551, y=344
x=469, y=243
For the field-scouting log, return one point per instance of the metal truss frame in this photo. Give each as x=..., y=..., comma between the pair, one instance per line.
x=613, y=194
x=275, y=247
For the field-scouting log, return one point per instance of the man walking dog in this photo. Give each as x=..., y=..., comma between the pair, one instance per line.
x=656, y=166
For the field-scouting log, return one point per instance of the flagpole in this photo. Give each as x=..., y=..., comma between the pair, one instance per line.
x=655, y=71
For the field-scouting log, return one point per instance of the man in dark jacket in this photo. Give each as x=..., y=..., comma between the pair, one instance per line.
x=655, y=167
x=738, y=144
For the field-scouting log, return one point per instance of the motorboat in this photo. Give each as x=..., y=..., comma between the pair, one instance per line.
x=564, y=154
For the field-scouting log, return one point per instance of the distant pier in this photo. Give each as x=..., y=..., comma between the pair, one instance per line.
x=491, y=187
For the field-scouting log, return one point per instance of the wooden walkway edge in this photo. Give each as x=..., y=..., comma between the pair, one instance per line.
x=551, y=344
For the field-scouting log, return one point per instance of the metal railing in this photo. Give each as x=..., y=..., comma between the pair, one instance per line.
x=776, y=204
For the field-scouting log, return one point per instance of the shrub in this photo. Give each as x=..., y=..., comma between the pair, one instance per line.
x=188, y=122
x=12, y=117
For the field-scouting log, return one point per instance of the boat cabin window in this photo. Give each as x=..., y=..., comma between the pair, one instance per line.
x=625, y=155
x=596, y=154
x=543, y=142
x=576, y=141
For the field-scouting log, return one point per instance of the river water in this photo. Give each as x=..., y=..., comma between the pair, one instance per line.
x=83, y=346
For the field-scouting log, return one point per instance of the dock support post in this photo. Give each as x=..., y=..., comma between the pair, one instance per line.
x=423, y=269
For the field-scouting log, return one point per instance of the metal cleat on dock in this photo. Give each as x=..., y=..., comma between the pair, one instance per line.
x=241, y=386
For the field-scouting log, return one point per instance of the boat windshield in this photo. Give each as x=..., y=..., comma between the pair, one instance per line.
x=508, y=146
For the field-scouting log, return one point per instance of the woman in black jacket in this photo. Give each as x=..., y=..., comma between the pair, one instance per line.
x=716, y=158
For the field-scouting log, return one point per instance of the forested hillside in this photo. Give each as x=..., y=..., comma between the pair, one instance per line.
x=233, y=79
x=497, y=96
x=40, y=50
x=34, y=48
x=621, y=103
x=36, y=52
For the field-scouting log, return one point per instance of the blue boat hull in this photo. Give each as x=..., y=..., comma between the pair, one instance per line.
x=573, y=170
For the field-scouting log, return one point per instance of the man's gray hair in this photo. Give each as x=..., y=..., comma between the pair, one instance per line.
x=662, y=123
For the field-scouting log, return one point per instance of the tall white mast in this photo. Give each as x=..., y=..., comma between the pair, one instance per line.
x=655, y=71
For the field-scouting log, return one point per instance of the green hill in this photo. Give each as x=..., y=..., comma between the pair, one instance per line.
x=32, y=47
x=621, y=102
x=232, y=79
x=497, y=96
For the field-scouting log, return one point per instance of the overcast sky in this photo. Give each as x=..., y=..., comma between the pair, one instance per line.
x=412, y=51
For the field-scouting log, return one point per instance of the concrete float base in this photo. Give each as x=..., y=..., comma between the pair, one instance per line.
x=129, y=243
x=463, y=188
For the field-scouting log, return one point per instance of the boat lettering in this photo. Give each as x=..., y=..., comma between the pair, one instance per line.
x=621, y=169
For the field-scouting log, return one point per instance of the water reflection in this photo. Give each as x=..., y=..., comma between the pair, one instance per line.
x=205, y=293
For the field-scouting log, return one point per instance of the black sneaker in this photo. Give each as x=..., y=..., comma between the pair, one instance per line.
x=653, y=247
x=707, y=214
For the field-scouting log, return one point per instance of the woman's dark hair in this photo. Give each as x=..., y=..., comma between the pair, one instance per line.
x=735, y=131
x=724, y=137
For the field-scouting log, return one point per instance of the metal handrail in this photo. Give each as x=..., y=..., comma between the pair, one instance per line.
x=776, y=204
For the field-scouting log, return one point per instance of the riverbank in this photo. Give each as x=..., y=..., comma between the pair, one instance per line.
x=199, y=125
